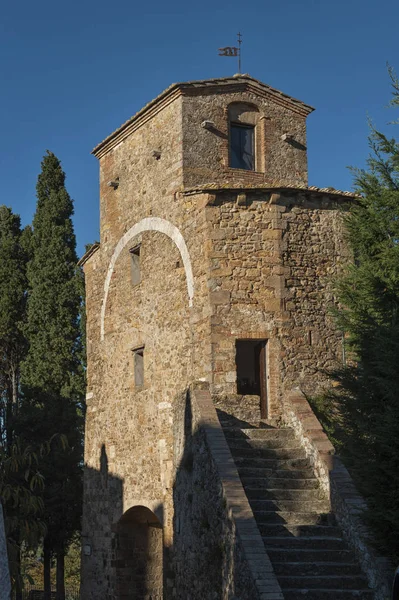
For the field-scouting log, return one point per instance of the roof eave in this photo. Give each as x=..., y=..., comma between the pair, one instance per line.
x=328, y=191
x=177, y=89
x=83, y=260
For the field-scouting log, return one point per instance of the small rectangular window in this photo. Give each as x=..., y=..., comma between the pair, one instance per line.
x=242, y=147
x=138, y=367
x=135, y=265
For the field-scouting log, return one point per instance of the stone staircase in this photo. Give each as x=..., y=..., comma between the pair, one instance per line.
x=311, y=559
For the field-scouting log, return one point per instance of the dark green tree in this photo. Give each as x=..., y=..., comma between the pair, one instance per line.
x=52, y=373
x=19, y=502
x=369, y=293
x=13, y=259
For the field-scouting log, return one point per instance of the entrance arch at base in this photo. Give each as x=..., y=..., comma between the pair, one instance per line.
x=139, y=555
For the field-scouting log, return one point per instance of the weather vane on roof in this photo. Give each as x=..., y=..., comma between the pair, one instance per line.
x=233, y=51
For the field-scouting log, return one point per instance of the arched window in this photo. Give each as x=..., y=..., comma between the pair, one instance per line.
x=243, y=134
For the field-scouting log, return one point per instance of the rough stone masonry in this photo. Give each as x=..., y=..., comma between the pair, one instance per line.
x=196, y=255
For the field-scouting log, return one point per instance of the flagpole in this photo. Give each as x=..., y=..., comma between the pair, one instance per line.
x=239, y=51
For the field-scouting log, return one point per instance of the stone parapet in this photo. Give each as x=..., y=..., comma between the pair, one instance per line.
x=248, y=538
x=347, y=504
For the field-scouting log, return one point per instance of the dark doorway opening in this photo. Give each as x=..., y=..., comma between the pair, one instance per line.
x=251, y=371
x=139, y=556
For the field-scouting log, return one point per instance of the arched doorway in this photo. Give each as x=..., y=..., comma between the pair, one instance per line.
x=139, y=555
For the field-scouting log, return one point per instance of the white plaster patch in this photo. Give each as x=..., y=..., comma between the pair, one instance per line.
x=164, y=405
x=150, y=224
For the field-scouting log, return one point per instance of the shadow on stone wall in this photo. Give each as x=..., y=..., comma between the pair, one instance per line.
x=208, y=559
x=124, y=554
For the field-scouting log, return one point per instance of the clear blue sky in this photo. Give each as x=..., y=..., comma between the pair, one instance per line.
x=71, y=72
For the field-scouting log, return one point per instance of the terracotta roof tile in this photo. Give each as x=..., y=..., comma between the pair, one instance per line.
x=269, y=186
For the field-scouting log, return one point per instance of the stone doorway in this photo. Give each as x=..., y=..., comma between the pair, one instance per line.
x=252, y=371
x=139, y=556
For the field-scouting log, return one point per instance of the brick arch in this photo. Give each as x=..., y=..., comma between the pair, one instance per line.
x=242, y=104
x=150, y=224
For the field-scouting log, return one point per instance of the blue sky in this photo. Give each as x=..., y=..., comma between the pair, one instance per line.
x=71, y=72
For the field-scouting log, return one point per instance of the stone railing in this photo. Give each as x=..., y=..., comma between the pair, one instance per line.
x=247, y=537
x=346, y=502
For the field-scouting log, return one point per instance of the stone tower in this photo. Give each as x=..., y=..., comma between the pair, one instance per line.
x=214, y=265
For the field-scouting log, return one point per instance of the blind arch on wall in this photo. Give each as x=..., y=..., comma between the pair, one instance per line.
x=149, y=224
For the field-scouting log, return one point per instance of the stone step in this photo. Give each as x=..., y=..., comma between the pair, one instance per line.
x=276, y=453
x=308, y=555
x=303, y=543
x=314, y=506
x=230, y=422
x=298, y=531
x=315, y=568
x=293, y=518
x=268, y=434
x=264, y=434
x=280, y=483
x=322, y=594
x=292, y=464
x=256, y=444
x=284, y=494
x=329, y=582
x=257, y=472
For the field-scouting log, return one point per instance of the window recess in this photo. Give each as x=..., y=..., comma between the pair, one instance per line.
x=138, y=355
x=135, y=269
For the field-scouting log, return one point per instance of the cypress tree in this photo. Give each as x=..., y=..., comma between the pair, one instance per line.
x=20, y=506
x=369, y=293
x=13, y=259
x=52, y=374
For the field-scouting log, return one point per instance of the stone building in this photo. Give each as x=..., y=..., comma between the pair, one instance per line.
x=213, y=275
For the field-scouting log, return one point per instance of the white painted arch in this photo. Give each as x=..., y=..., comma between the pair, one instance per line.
x=150, y=224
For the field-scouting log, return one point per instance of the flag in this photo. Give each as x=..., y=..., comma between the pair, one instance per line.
x=228, y=51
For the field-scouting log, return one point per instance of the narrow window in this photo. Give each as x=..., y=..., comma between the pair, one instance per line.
x=242, y=146
x=138, y=367
x=135, y=265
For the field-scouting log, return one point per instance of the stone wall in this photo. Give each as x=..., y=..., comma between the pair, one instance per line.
x=5, y=584
x=271, y=260
x=346, y=502
x=130, y=428
x=206, y=152
x=218, y=551
x=313, y=251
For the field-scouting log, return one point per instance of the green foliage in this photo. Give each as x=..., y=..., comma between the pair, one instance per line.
x=32, y=566
x=12, y=279
x=21, y=482
x=21, y=486
x=13, y=259
x=54, y=289
x=369, y=293
x=53, y=371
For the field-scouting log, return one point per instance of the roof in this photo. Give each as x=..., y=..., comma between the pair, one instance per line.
x=93, y=248
x=195, y=87
x=217, y=187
